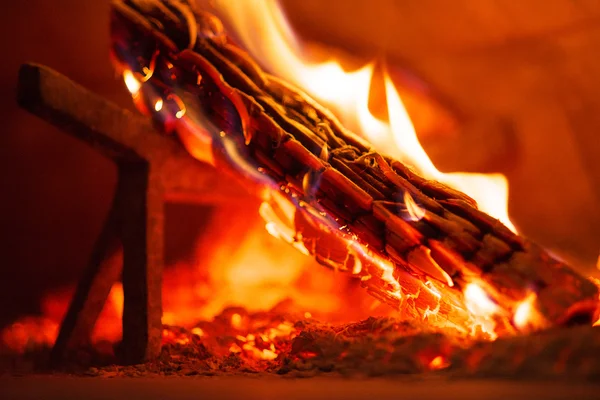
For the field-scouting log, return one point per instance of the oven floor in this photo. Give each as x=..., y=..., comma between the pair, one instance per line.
x=329, y=388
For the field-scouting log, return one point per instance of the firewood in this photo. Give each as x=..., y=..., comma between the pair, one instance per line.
x=352, y=204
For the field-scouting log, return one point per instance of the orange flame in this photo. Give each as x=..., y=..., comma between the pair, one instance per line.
x=263, y=29
x=525, y=314
x=439, y=362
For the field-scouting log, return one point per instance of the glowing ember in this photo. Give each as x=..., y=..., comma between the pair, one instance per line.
x=29, y=333
x=158, y=105
x=439, y=362
x=272, y=341
x=236, y=321
x=197, y=331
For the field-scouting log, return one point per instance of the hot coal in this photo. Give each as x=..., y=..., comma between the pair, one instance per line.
x=293, y=345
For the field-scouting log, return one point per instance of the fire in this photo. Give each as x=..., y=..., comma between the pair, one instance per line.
x=239, y=264
x=30, y=332
x=262, y=346
x=348, y=93
x=132, y=84
x=478, y=301
x=525, y=312
x=482, y=308
x=261, y=27
x=245, y=270
x=264, y=31
x=416, y=213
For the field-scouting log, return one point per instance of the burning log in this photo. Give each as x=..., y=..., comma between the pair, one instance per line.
x=416, y=244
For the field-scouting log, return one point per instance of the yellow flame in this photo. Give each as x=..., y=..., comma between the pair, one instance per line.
x=482, y=308
x=158, y=105
x=478, y=302
x=489, y=190
x=133, y=85
x=198, y=331
x=416, y=213
x=525, y=312
x=263, y=29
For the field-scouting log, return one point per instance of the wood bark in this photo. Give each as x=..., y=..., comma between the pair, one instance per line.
x=346, y=191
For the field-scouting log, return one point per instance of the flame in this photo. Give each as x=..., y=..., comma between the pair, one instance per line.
x=482, y=308
x=262, y=28
x=133, y=85
x=247, y=271
x=416, y=213
x=525, y=312
x=264, y=31
x=239, y=264
x=478, y=301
